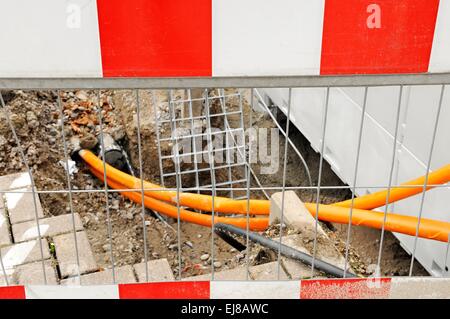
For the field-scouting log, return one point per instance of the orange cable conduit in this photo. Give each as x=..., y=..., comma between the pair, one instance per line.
x=430, y=229
x=378, y=199
x=257, y=224
x=338, y=213
x=195, y=201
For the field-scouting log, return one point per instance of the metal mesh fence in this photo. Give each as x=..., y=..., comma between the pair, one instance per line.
x=206, y=145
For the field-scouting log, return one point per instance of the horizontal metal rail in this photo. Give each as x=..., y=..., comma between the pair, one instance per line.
x=224, y=82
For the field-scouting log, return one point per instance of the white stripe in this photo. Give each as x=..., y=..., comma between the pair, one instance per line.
x=255, y=289
x=44, y=39
x=440, y=52
x=270, y=37
x=17, y=254
x=72, y=292
x=423, y=288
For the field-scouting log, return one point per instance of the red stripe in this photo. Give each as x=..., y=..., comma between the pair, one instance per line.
x=166, y=290
x=155, y=38
x=12, y=292
x=345, y=288
x=352, y=43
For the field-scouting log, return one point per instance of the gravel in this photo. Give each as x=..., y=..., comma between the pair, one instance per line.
x=204, y=257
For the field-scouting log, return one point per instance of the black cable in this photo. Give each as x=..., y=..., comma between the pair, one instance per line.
x=286, y=251
x=229, y=239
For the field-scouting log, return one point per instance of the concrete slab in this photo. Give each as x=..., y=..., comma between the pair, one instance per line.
x=65, y=254
x=296, y=269
x=295, y=214
x=325, y=251
x=21, y=206
x=267, y=271
x=32, y=274
x=238, y=273
x=23, y=253
x=329, y=253
x=124, y=275
x=158, y=270
x=49, y=227
x=5, y=237
x=13, y=181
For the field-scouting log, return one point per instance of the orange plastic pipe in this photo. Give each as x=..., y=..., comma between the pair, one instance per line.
x=257, y=224
x=430, y=229
x=260, y=207
x=378, y=199
x=195, y=201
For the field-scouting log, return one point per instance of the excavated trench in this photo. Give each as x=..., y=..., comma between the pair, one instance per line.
x=37, y=121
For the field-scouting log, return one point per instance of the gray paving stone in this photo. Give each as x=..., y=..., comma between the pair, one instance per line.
x=267, y=271
x=31, y=274
x=13, y=181
x=65, y=254
x=5, y=237
x=124, y=275
x=23, y=253
x=21, y=206
x=158, y=270
x=238, y=273
x=49, y=227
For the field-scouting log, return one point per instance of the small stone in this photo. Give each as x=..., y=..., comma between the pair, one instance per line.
x=189, y=244
x=81, y=95
x=31, y=116
x=173, y=246
x=199, y=236
x=155, y=255
x=115, y=204
x=117, y=133
x=147, y=223
x=105, y=247
x=217, y=264
x=3, y=141
x=88, y=141
x=130, y=216
x=204, y=257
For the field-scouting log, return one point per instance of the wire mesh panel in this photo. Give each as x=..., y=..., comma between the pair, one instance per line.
x=184, y=124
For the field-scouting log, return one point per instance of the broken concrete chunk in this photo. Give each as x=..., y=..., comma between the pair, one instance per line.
x=295, y=213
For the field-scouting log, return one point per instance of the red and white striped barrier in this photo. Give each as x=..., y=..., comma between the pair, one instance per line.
x=177, y=38
x=392, y=288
